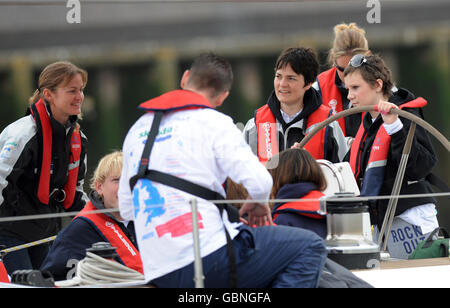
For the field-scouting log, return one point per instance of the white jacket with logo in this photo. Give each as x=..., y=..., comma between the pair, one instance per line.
x=203, y=146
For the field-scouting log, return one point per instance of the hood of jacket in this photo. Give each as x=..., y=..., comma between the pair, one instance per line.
x=400, y=96
x=97, y=202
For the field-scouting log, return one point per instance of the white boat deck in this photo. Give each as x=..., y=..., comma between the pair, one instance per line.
x=423, y=273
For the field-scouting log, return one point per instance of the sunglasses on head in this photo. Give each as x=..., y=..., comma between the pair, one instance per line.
x=359, y=60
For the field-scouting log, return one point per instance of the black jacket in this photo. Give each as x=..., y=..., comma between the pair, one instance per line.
x=421, y=160
x=72, y=242
x=20, y=161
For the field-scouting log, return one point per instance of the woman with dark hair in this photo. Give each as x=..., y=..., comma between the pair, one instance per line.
x=298, y=176
x=377, y=149
x=293, y=109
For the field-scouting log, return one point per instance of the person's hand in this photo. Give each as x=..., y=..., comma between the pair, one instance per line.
x=384, y=108
x=296, y=145
x=258, y=214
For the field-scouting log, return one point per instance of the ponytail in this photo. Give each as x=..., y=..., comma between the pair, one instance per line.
x=349, y=39
x=35, y=97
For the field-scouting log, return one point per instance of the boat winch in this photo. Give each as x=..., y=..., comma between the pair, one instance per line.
x=349, y=237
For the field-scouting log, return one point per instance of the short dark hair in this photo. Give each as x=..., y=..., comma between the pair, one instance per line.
x=211, y=72
x=302, y=60
x=373, y=70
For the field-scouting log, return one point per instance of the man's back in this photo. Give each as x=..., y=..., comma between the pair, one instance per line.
x=202, y=146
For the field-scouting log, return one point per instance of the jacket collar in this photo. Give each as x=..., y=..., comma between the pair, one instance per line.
x=97, y=202
x=176, y=100
x=294, y=191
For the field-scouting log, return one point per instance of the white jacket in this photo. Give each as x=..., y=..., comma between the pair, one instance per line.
x=202, y=146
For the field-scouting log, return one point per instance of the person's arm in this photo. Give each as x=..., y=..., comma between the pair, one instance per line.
x=243, y=167
x=13, y=140
x=69, y=248
x=238, y=162
x=258, y=214
x=124, y=193
x=422, y=158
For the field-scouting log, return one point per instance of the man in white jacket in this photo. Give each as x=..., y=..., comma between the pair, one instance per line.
x=198, y=144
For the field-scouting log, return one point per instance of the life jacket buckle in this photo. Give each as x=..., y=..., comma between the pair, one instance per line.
x=59, y=195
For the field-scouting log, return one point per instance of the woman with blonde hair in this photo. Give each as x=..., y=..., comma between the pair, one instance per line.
x=349, y=40
x=42, y=163
x=88, y=227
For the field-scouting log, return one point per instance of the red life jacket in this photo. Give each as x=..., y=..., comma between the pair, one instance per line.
x=3, y=273
x=331, y=96
x=74, y=161
x=267, y=134
x=374, y=174
x=305, y=208
x=127, y=252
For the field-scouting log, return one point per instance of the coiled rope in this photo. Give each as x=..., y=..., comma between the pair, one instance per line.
x=96, y=270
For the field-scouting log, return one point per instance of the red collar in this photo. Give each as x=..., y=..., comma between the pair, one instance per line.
x=176, y=100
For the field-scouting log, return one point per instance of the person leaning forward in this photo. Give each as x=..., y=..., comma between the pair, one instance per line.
x=202, y=147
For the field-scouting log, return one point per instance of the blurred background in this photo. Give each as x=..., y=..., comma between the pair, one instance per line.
x=135, y=50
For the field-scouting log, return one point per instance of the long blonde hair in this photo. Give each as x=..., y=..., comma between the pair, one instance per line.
x=349, y=39
x=54, y=75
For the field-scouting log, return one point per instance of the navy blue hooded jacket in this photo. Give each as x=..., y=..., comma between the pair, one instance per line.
x=291, y=217
x=72, y=242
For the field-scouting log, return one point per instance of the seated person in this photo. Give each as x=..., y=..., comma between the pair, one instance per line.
x=86, y=229
x=333, y=275
x=297, y=175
